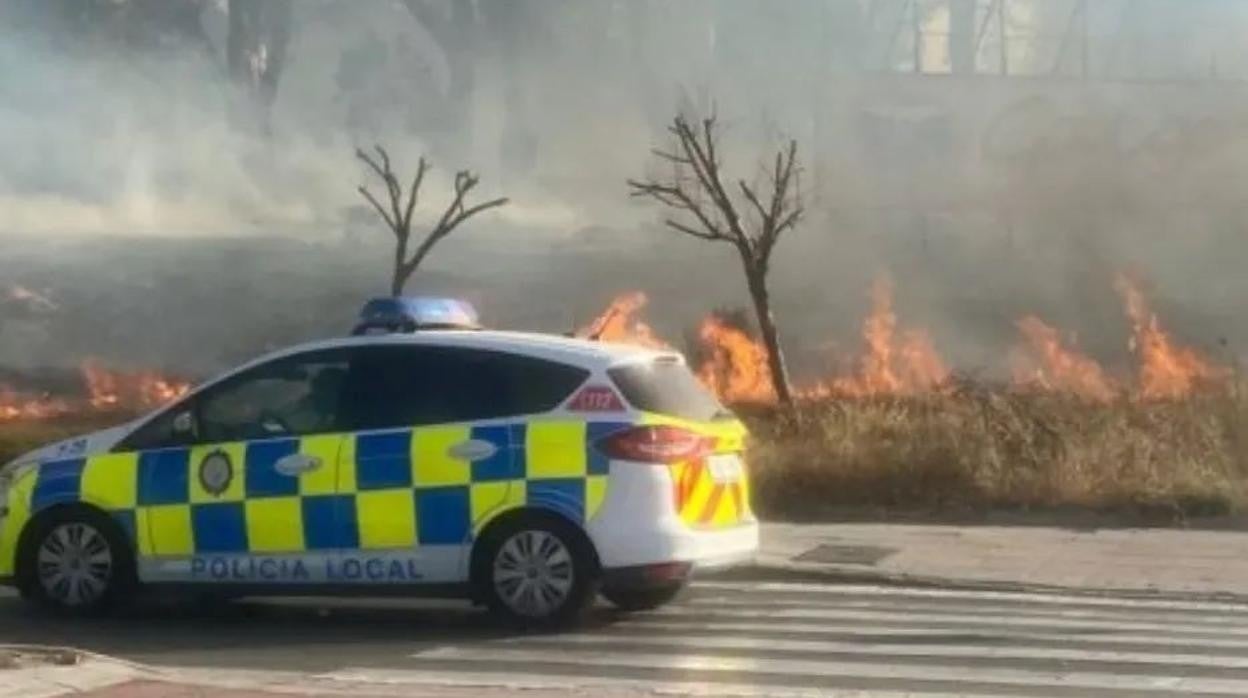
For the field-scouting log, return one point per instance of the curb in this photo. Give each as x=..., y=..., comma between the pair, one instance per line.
x=67, y=671
x=788, y=571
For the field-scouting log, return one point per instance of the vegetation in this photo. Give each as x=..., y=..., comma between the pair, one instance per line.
x=975, y=449
x=970, y=450
x=397, y=212
x=751, y=221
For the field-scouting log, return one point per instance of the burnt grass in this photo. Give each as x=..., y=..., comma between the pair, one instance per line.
x=957, y=455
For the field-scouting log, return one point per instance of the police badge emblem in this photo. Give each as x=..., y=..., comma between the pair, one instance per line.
x=215, y=473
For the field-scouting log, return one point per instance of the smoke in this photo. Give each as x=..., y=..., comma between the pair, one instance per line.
x=985, y=197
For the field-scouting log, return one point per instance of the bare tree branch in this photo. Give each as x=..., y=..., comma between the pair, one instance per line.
x=398, y=216
x=696, y=187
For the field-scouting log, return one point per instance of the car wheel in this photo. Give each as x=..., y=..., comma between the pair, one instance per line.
x=75, y=561
x=539, y=573
x=642, y=599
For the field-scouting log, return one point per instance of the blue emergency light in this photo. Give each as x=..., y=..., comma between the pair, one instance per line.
x=409, y=314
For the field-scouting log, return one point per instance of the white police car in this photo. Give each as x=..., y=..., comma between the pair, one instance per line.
x=524, y=471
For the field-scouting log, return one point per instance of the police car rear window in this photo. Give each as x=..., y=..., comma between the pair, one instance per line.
x=667, y=387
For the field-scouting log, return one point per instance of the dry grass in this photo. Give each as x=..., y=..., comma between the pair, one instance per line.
x=977, y=449
x=972, y=450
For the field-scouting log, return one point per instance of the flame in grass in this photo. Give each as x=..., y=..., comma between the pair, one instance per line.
x=104, y=390
x=891, y=364
x=621, y=323
x=1166, y=370
x=734, y=364
x=901, y=361
x=1044, y=362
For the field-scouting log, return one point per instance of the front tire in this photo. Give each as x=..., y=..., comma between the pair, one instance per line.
x=75, y=561
x=537, y=572
x=630, y=600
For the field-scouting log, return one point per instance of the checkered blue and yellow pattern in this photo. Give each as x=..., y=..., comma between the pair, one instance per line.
x=375, y=491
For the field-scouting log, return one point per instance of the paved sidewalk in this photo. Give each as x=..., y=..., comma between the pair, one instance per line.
x=1162, y=561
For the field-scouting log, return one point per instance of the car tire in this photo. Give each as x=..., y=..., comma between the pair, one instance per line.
x=642, y=599
x=76, y=561
x=538, y=572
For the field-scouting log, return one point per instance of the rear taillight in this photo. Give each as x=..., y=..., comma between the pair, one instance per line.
x=656, y=444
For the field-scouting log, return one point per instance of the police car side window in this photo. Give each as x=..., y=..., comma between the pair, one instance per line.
x=392, y=387
x=292, y=396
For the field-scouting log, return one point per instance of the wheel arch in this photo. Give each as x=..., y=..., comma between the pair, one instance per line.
x=37, y=519
x=477, y=561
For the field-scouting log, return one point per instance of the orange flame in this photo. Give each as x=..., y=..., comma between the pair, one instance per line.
x=104, y=390
x=621, y=323
x=1046, y=363
x=1166, y=371
x=734, y=365
x=890, y=365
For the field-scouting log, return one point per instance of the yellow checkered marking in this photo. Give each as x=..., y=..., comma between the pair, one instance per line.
x=555, y=450
x=111, y=481
x=386, y=518
x=19, y=514
x=274, y=525
x=432, y=463
x=329, y=478
x=168, y=530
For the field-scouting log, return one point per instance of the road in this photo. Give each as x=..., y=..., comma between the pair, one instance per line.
x=722, y=638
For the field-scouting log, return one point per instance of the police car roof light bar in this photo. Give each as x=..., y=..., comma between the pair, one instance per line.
x=409, y=314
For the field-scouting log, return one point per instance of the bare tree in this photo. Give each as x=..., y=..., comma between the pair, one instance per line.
x=398, y=213
x=697, y=190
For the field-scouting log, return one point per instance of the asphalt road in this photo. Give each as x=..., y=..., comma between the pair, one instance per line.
x=722, y=637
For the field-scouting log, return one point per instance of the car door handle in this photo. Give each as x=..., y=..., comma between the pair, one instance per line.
x=472, y=450
x=296, y=464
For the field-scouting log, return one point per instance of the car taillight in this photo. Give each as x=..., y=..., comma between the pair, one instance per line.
x=656, y=444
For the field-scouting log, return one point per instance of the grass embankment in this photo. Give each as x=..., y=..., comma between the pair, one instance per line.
x=975, y=450
x=964, y=452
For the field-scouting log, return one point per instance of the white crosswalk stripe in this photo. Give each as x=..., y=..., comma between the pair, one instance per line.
x=728, y=638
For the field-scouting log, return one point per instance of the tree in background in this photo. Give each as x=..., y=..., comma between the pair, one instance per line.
x=397, y=212
x=697, y=190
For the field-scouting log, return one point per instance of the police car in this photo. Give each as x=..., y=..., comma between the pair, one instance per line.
x=421, y=455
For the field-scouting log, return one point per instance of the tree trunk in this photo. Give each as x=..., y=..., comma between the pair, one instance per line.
x=398, y=280
x=757, y=280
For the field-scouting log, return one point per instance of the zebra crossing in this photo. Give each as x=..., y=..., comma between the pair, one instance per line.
x=787, y=639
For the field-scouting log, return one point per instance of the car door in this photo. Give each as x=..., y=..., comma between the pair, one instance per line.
x=248, y=492
x=439, y=449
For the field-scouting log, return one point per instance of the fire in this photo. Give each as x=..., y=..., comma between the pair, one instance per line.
x=110, y=389
x=890, y=365
x=734, y=365
x=1165, y=370
x=620, y=323
x=104, y=389
x=1046, y=363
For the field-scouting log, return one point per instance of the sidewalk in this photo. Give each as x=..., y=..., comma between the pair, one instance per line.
x=1152, y=561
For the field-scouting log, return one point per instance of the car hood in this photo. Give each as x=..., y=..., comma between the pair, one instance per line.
x=77, y=447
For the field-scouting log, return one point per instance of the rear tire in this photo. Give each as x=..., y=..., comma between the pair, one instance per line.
x=75, y=560
x=642, y=599
x=537, y=572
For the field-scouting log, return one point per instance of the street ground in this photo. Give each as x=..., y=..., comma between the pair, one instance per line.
x=981, y=614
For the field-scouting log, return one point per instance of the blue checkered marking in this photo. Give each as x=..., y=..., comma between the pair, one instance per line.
x=164, y=477
x=59, y=481
x=219, y=527
x=261, y=474
x=508, y=462
x=329, y=522
x=566, y=496
x=127, y=521
x=383, y=461
x=598, y=463
x=442, y=515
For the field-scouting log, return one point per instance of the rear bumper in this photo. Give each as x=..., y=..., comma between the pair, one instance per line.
x=638, y=526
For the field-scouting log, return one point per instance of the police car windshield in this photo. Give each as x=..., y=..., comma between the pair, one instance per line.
x=666, y=386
